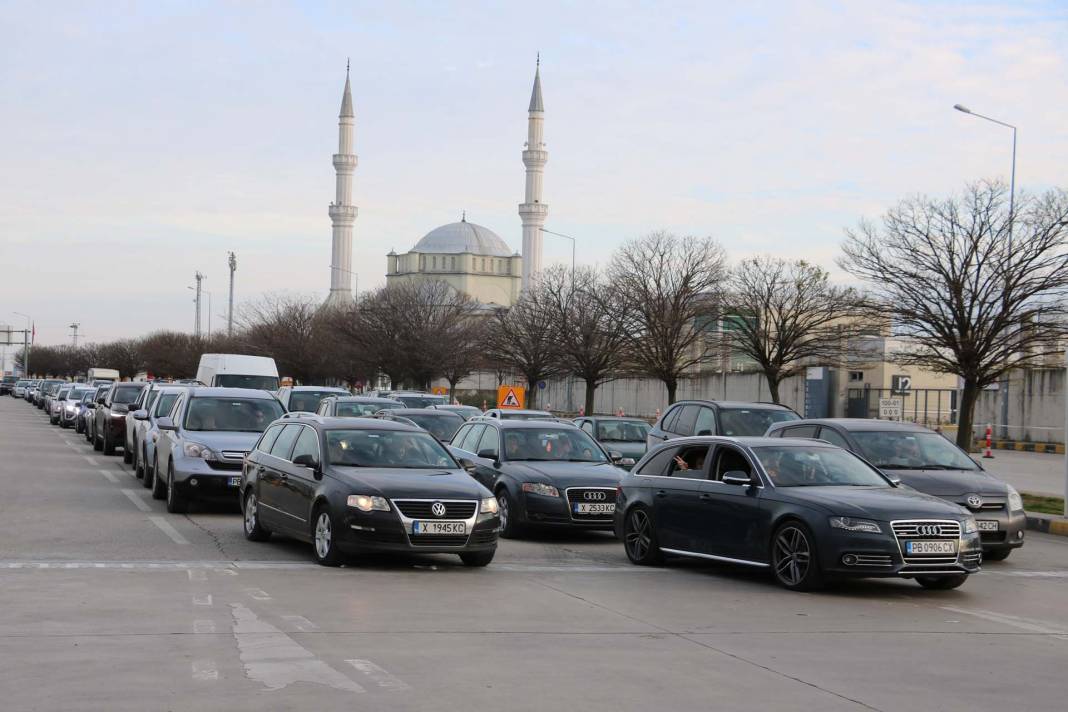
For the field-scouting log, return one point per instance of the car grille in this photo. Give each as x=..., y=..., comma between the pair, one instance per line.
x=443, y=540
x=874, y=560
x=578, y=494
x=234, y=454
x=992, y=537
x=916, y=529
x=220, y=465
x=971, y=558
x=421, y=509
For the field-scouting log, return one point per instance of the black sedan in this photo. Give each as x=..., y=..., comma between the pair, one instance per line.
x=808, y=511
x=362, y=485
x=542, y=472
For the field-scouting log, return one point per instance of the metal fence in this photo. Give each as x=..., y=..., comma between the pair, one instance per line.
x=926, y=406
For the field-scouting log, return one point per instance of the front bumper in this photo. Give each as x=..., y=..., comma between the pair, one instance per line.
x=385, y=532
x=196, y=477
x=541, y=510
x=1010, y=532
x=862, y=555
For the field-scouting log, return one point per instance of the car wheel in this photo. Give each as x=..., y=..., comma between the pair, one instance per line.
x=109, y=447
x=506, y=510
x=176, y=502
x=254, y=531
x=127, y=452
x=146, y=477
x=996, y=554
x=159, y=487
x=793, y=558
x=78, y=425
x=639, y=538
x=98, y=442
x=138, y=465
x=941, y=583
x=326, y=552
x=477, y=558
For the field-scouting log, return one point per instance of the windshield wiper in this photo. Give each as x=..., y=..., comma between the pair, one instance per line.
x=942, y=467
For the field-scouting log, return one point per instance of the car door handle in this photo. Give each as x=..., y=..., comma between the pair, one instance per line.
x=661, y=493
x=706, y=497
x=283, y=476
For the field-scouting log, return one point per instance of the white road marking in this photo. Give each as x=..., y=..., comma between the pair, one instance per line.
x=110, y=476
x=300, y=623
x=135, y=497
x=378, y=676
x=1027, y=624
x=197, y=574
x=204, y=627
x=222, y=567
x=1028, y=574
x=167, y=529
x=275, y=660
x=205, y=670
x=258, y=594
x=90, y=460
x=204, y=600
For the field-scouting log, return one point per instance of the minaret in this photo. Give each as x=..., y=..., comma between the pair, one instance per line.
x=532, y=210
x=342, y=211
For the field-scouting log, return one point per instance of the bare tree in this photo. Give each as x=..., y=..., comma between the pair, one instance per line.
x=592, y=332
x=785, y=315
x=289, y=329
x=976, y=291
x=671, y=284
x=524, y=338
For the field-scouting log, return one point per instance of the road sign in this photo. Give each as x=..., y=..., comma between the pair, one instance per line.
x=890, y=409
x=440, y=390
x=511, y=396
x=900, y=385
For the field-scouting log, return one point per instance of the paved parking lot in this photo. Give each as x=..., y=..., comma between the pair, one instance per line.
x=1034, y=472
x=109, y=603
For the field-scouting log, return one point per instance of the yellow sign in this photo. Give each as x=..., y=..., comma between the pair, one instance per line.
x=511, y=396
x=440, y=390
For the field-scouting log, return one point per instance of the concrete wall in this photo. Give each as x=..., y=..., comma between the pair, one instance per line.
x=1036, y=407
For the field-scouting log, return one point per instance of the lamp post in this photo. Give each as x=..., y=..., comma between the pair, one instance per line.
x=568, y=237
x=1012, y=219
x=25, y=346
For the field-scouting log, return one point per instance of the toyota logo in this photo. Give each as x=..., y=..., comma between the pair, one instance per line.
x=974, y=501
x=599, y=496
x=437, y=509
x=928, y=530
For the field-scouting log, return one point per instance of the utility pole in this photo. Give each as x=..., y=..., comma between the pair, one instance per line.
x=74, y=334
x=196, y=323
x=230, y=312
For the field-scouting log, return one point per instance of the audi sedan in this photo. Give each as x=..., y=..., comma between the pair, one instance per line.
x=352, y=486
x=807, y=511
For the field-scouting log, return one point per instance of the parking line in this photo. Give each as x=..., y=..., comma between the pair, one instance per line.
x=90, y=460
x=1013, y=621
x=205, y=670
x=110, y=476
x=378, y=676
x=134, y=497
x=167, y=529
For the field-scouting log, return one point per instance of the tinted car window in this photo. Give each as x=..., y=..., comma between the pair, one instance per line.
x=742, y=422
x=306, y=401
x=706, y=422
x=232, y=380
x=658, y=463
x=831, y=435
x=284, y=444
x=307, y=444
x=567, y=445
x=471, y=439
x=126, y=394
x=232, y=414
x=904, y=450
x=441, y=425
x=488, y=441
x=387, y=449
x=803, y=466
x=729, y=459
x=267, y=441
x=621, y=431
x=687, y=418
x=356, y=410
x=799, y=431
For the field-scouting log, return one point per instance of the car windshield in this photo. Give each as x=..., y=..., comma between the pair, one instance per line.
x=505, y=415
x=359, y=410
x=904, y=450
x=232, y=414
x=807, y=466
x=307, y=401
x=441, y=425
x=622, y=431
x=126, y=394
x=233, y=380
x=416, y=401
x=386, y=448
x=745, y=422
x=560, y=444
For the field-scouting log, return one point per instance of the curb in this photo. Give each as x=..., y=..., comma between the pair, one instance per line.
x=1047, y=524
x=1019, y=446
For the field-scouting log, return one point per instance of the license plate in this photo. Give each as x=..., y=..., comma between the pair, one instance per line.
x=593, y=508
x=439, y=527
x=987, y=525
x=930, y=547
x=234, y=482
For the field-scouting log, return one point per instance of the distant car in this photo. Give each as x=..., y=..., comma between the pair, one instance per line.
x=439, y=423
x=7, y=385
x=70, y=414
x=31, y=390
x=89, y=413
x=47, y=389
x=518, y=414
x=362, y=485
x=204, y=440
x=464, y=411
x=150, y=407
x=928, y=462
x=56, y=402
x=728, y=418
x=238, y=371
x=355, y=406
x=543, y=473
x=145, y=401
x=806, y=511
x=19, y=391
x=306, y=399
x=109, y=423
x=418, y=399
x=624, y=435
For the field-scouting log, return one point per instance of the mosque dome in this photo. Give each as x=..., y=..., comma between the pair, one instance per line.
x=460, y=237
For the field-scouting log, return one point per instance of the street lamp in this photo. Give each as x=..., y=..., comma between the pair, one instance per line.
x=560, y=234
x=25, y=346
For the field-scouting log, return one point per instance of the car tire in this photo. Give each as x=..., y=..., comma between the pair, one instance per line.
x=996, y=554
x=794, y=561
x=109, y=447
x=639, y=537
x=254, y=531
x=176, y=501
x=138, y=465
x=941, y=583
x=326, y=551
x=98, y=442
x=127, y=452
x=477, y=558
x=159, y=487
x=507, y=511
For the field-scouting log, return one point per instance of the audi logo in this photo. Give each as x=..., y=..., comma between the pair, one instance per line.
x=928, y=530
x=597, y=496
x=437, y=509
x=974, y=501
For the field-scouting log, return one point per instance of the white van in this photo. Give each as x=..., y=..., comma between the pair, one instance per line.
x=238, y=371
x=101, y=374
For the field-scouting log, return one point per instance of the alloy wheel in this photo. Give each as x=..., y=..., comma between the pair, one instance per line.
x=502, y=510
x=323, y=542
x=250, y=515
x=793, y=555
x=638, y=537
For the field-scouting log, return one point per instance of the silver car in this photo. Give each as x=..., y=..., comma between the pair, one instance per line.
x=160, y=402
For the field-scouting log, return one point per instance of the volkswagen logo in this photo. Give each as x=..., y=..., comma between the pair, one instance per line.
x=974, y=501
x=598, y=496
x=437, y=509
x=928, y=530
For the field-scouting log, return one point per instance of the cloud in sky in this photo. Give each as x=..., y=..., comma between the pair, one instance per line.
x=141, y=141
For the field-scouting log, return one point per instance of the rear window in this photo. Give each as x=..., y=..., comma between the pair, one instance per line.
x=442, y=426
x=357, y=410
x=746, y=422
x=307, y=401
x=126, y=394
x=232, y=414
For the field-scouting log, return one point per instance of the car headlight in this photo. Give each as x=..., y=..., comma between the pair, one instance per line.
x=489, y=505
x=71, y=407
x=1015, y=500
x=970, y=527
x=540, y=488
x=197, y=450
x=367, y=503
x=855, y=525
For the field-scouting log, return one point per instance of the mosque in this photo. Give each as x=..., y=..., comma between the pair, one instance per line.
x=471, y=258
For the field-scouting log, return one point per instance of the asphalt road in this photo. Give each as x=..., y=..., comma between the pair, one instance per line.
x=108, y=603
x=1034, y=472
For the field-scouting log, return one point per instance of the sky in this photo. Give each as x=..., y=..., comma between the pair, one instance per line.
x=142, y=141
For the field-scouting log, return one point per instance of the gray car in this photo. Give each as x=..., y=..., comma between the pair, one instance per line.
x=624, y=435
x=928, y=462
x=204, y=440
x=159, y=402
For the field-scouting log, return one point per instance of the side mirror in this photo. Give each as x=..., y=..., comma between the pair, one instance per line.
x=165, y=423
x=616, y=457
x=488, y=454
x=467, y=464
x=306, y=460
x=736, y=477
x=895, y=481
x=140, y=415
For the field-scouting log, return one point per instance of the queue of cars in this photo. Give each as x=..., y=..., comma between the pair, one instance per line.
x=748, y=484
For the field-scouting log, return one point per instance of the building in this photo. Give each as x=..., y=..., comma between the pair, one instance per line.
x=342, y=211
x=475, y=260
